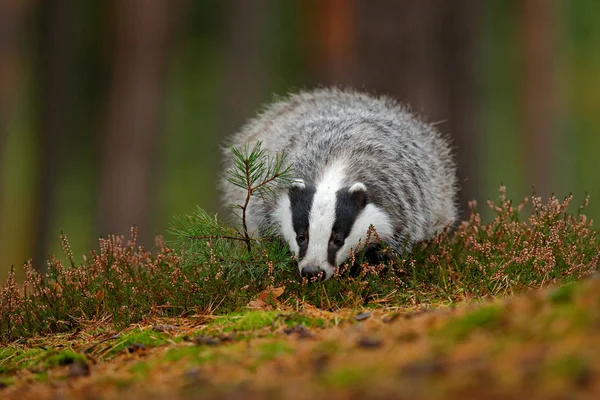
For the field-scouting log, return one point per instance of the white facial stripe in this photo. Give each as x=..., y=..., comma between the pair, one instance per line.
x=283, y=215
x=370, y=215
x=322, y=217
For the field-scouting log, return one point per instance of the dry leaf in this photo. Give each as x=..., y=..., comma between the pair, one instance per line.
x=265, y=298
x=259, y=304
x=271, y=293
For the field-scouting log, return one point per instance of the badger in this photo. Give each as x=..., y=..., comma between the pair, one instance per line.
x=359, y=161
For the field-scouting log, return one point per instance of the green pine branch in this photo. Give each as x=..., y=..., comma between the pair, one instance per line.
x=258, y=173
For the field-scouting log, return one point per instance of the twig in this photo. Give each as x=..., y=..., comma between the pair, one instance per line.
x=263, y=183
x=245, y=207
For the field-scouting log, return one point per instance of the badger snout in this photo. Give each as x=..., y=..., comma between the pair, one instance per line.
x=311, y=272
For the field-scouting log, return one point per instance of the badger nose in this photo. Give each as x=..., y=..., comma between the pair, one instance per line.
x=312, y=271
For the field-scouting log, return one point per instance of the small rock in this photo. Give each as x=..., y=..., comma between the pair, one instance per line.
x=367, y=342
x=423, y=368
x=206, y=340
x=363, y=315
x=300, y=330
x=164, y=328
x=136, y=347
x=391, y=318
x=78, y=368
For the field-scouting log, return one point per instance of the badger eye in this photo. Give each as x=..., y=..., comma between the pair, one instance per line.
x=301, y=237
x=337, y=240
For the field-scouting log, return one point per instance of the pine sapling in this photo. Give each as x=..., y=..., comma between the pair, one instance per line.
x=257, y=173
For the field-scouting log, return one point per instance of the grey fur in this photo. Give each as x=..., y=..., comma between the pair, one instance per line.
x=406, y=164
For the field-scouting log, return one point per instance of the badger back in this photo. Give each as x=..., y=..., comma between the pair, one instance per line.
x=404, y=164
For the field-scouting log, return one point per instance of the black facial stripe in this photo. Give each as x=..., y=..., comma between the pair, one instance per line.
x=301, y=202
x=331, y=254
x=347, y=207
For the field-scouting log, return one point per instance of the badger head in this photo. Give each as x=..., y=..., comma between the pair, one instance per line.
x=324, y=222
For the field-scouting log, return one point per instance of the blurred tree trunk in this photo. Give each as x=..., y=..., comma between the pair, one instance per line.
x=461, y=30
x=244, y=77
x=422, y=52
x=10, y=21
x=54, y=69
x=400, y=53
x=336, y=58
x=134, y=119
x=539, y=108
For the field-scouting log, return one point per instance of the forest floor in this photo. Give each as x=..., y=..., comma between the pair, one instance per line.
x=540, y=344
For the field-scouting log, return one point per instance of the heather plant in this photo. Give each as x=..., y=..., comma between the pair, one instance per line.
x=210, y=267
x=516, y=250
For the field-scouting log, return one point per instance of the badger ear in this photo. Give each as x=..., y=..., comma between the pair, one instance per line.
x=359, y=192
x=297, y=185
x=357, y=187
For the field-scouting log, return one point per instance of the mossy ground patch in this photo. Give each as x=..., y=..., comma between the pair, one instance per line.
x=530, y=344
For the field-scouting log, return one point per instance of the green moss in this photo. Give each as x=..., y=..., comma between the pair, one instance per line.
x=250, y=323
x=346, y=377
x=179, y=353
x=140, y=369
x=146, y=337
x=62, y=357
x=563, y=294
x=572, y=367
x=13, y=358
x=41, y=377
x=487, y=318
x=194, y=354
x=329, y=347
x=7, y=381
x=270, y=350
x=574, y=318
x=118, y=382
x=7, y=356
x=247, y=321
x=300, y=319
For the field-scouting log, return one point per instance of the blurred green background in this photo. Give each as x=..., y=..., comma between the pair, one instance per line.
x=112, y=112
